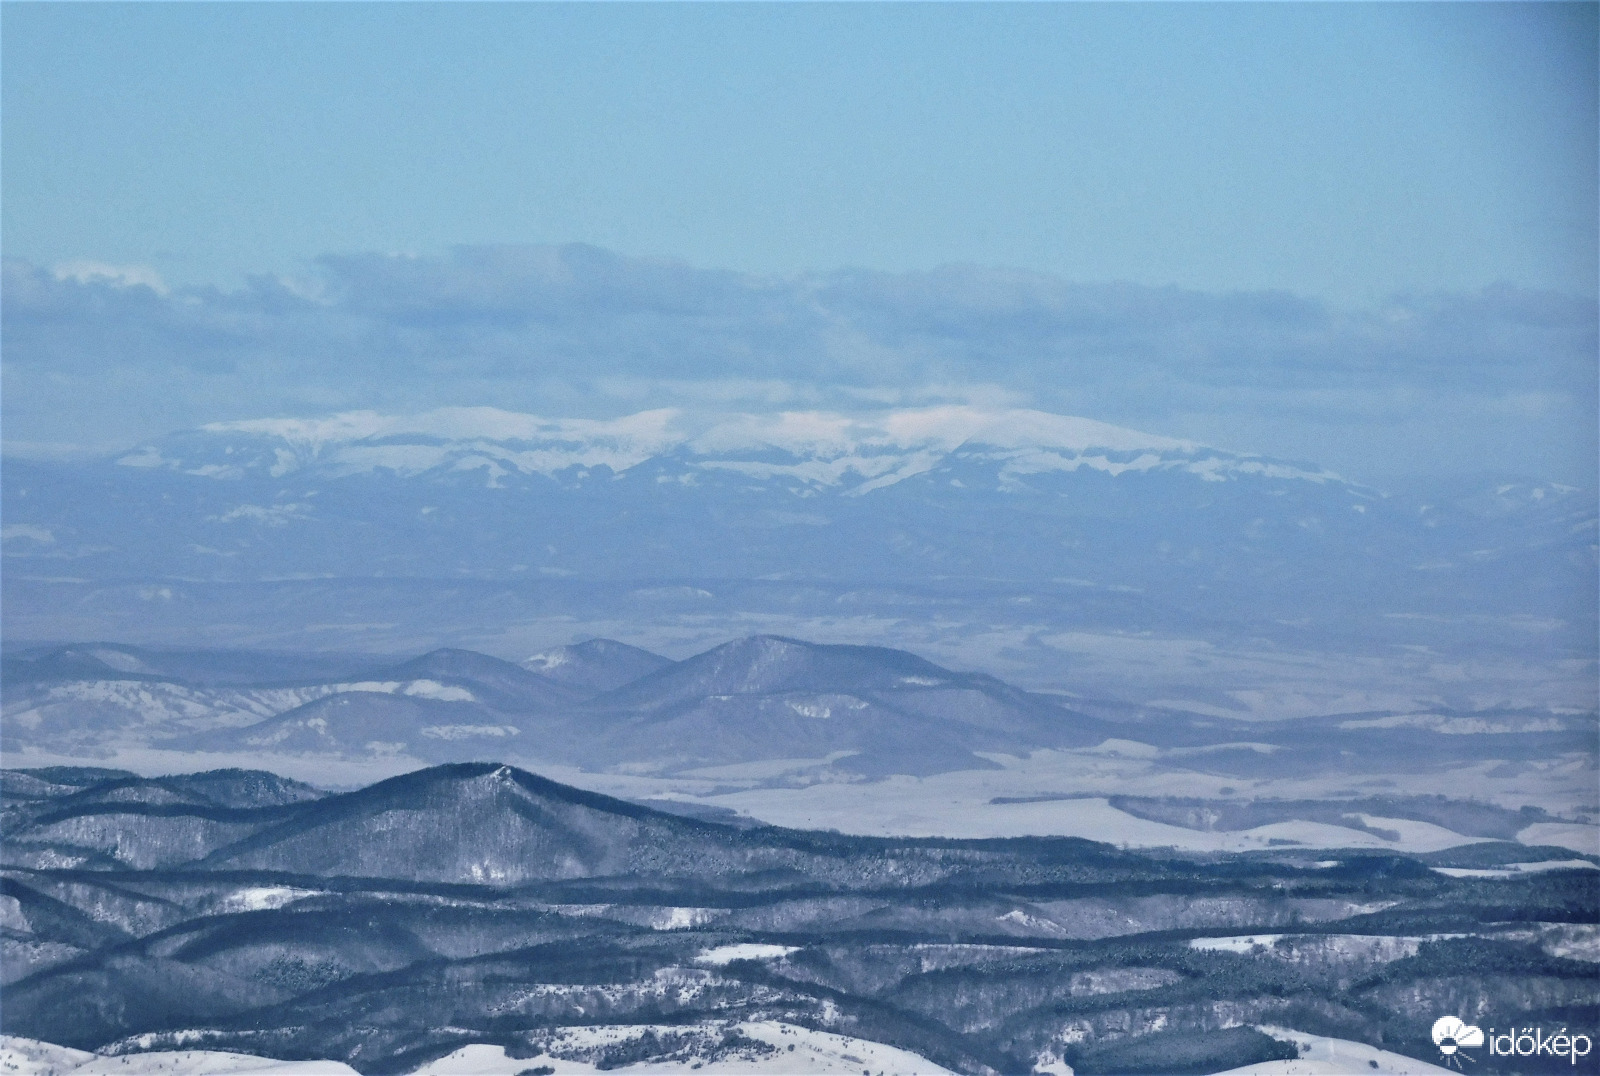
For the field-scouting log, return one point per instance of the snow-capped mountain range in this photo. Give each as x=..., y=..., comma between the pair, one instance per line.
x=1081, y=518
x=813, y=449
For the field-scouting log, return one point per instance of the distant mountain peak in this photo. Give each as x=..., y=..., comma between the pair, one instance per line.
x=857, y=453
x=776, y=664
x=595, y=665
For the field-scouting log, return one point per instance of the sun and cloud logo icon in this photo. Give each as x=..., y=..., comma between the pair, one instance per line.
x=1451, y=1035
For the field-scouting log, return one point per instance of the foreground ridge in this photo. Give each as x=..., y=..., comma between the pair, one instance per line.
x=476, y=913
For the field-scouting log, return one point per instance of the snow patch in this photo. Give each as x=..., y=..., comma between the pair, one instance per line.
x=681, y=918
x=723, y=954
x=432, y=689
x=264, y=898
x=467, y=732
x=1511, y=870
x=1458, y=726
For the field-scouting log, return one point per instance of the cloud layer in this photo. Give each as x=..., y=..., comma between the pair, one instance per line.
x=1502, y=380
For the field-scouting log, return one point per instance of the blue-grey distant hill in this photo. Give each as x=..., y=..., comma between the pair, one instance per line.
x=855, y=711
x=870, y=709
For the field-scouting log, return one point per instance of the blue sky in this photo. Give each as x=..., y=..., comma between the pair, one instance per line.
x=1403, y=198
x=1344, y=151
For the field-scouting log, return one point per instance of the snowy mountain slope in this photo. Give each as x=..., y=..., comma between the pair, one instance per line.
x=596, y=665
x=60, y=699
x=87, y=711
x=29, y=1057
x=193, y=666
x=871, y=709
x=1324, y=1056
x=490, y=824
x=768, y=664
x=778, y=711
x=756, y=1046
x=768, y=696
x=860, y=453
x=471, y=916
x=494, y=824
x=73, y=715
x=711, y=1048
x=502, y=684
x=353, y=723
x=237, y=789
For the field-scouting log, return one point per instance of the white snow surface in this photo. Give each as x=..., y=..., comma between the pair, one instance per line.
x=1579, y=838
x=816, y=448
x=30, y=1057
x=813, y=1052
x=1511, y=870
x=959, y=805
x=421, y=689
x=1369, y=948
x=1323, y=1056
x=723, y=954
x=157, y=703
x=264, y=898
x=1447, y=725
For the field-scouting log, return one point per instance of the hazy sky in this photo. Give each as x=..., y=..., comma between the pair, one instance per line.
x=1363, y=234
x=1343, y=151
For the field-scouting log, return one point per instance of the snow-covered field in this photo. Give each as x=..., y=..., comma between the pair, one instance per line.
x=1511, y=870
x=793, y=1050
x=1585, y=839
x=780, y=1048
x=29, y=1057
x=1322, y=1056
x=962, y=803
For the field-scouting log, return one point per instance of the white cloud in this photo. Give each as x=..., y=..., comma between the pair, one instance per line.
x=27, y=531
x=276, y=515
x=120, y=276
x=1501, y=379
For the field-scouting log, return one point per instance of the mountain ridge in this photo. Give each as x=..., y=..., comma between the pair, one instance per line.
x=397, y=935
x=882, y=525
x=595, y=665
x=492, y=823
x=821, y=448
